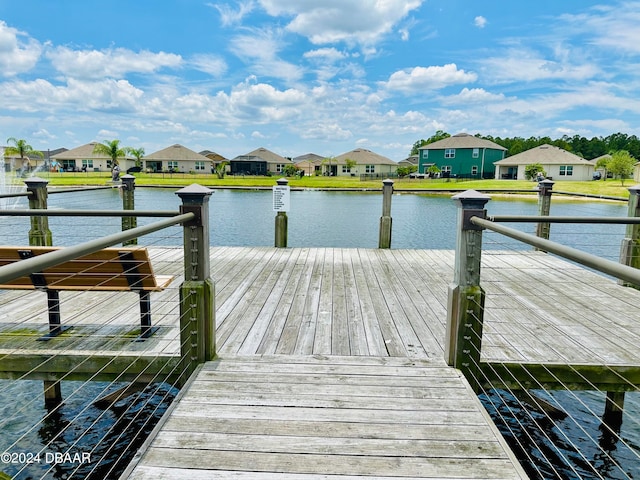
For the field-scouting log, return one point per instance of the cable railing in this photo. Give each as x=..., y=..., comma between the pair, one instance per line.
x=104, y=359
x=521, y=342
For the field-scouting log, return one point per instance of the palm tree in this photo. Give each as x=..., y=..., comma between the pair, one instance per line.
x=137, y=153
x=111, y=149
x=21, y=149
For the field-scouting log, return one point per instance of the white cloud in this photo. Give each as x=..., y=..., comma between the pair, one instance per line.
x=17, y=55
x=326, y=54
x=352, y=21
x=260, y=49
x=428, y=78
x=480, y=21
x=526, y=65
x=113, y=63
x=211, y=64
x=474, y=95
x=80, y=96
x=229, y=15
x=609, y=26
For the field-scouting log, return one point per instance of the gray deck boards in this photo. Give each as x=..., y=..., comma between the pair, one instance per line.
x=331, y=360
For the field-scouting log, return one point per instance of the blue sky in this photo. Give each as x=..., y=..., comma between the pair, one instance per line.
x=302, y=76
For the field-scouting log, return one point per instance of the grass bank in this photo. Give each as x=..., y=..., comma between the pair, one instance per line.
x=605, y=188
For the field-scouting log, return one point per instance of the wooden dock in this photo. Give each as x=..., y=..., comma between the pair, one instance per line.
x=331, y=360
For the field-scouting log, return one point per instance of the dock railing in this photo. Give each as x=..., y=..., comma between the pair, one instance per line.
x=197, y=312
x=467, y=297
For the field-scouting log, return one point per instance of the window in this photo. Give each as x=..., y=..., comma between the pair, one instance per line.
x=474, y=170
x=172, y=165
x=199, y=165
x=476, y=153
x=446, y=168
x=345, y=169
x=450, y=153
x=566, y=170
x=87, y=163
x=279, y=167
x=370, y=169
x=425, y=154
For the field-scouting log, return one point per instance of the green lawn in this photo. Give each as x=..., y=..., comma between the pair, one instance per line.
x=609, y=187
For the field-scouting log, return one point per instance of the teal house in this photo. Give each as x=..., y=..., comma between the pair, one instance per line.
x=461, y=155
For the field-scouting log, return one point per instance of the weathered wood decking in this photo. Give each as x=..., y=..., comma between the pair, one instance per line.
x=331, y=360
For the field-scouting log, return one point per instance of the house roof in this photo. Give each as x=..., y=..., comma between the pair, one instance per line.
x=462, y=140
x=267, y=155
x=363, y=156
x=248, y=158
x=411, y=160
x=308, y=157
x=545, y=155
x=216, y=157
x=176, y=152
x=82, y=152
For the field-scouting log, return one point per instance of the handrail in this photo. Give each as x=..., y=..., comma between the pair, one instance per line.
x=47, y=260
x=562, y=219
x=13, y=195
x=43, y=212
x=623, y=272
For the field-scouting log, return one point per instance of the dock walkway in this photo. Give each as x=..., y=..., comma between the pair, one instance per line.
x=331, y=360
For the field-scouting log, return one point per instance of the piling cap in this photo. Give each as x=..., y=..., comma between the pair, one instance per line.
x=36, y=181
x=194, y=193
x=282, y=181
x=471, y=199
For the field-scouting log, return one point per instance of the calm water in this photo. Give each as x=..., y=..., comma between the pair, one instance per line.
x=324, y=219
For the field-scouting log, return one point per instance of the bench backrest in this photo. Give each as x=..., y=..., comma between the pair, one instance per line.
x=108, y=269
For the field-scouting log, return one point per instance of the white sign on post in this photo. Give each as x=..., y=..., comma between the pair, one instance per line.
x=281, y=198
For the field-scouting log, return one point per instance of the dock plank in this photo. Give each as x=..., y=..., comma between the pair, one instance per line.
x=309, y=416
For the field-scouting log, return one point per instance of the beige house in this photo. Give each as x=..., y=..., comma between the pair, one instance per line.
x=310, y=163
x=177, y=159
x=366, y=163
x=83, y=159
x=557, y=163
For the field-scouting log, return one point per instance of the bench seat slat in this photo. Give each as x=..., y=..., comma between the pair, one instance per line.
x=104, y=270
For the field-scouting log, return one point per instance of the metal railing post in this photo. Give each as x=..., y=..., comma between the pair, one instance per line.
x=129, y=203
x=630, y=248
x=545, y=190
x=197, y=292
x=39, y=235
x=465, y=303
x=386, y=221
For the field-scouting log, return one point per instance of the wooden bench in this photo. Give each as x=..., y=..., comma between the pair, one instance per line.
x=110, y=269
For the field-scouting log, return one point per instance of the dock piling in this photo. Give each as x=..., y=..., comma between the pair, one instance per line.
x=386, y=220
x=630, y=247
x=465, y=303
x=128, y=203
x=282, y=221
x=39, y=234
x=545, y=190
x=197, y=292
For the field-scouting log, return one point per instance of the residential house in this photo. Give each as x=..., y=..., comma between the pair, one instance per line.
x=461, y=155
x=216, y=159
x=176, y=158
x=259, y=162
x=360, y=162
x=558, y=164
x=410, y=161
x=33, y=163
x=83, y=159
x=310, y=163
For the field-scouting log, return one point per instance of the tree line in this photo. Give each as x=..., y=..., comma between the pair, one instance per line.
x=583, y=147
